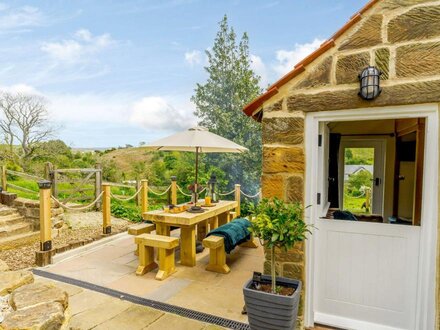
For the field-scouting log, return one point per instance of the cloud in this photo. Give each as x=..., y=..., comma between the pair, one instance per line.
x=73, y=50
x=286, y=59
x=12, y=19
x=156, y=113
x=20, y=88
x=258, y=66
x=193, y=57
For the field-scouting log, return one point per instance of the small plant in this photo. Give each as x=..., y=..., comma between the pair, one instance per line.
x=278, y=225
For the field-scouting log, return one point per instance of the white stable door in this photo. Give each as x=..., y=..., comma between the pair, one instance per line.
x=366, y=274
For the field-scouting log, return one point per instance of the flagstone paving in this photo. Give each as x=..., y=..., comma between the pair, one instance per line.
x=92, y=310
x=113, y=265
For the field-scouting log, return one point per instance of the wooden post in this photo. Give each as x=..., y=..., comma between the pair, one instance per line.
x=138, y=197
x=98, y=183
x=238, y=199
x=4, y=182
x=44, y=256
x=106, y=216
x=144, y=196
x=174, y=190
x=54, y=182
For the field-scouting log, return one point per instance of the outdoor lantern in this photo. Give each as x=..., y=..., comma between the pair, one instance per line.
x=369, y=80
x=212, y=183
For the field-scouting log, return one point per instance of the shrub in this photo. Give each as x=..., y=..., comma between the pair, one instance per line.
x=278, y=224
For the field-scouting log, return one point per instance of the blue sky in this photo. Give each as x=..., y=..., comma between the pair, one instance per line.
x=122, y=72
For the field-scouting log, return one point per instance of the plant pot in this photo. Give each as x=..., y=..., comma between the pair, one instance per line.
x=272, y=311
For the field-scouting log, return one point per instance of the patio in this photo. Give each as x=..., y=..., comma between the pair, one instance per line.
x=113, y=265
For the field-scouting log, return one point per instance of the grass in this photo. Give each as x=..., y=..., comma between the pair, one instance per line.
x=354, y=204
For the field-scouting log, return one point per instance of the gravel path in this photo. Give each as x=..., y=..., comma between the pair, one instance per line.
x=87, y=225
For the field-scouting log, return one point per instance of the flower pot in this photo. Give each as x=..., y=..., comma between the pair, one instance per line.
x=272, y=311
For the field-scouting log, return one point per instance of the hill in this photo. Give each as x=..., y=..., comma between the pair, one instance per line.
x=125, y=158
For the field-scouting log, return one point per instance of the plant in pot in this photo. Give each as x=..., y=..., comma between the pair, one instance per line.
x=273, y=304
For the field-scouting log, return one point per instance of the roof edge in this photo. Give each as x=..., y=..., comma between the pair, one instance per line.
x=251, y=107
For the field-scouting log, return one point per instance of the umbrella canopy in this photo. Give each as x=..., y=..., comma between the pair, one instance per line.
x=197, y=139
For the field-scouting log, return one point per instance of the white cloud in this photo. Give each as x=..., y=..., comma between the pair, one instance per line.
x=258, y=66
x=19, y=18
x=73, y=50
x=20, y=88
x=156, y=113
x=193, y=57
x=286, y=59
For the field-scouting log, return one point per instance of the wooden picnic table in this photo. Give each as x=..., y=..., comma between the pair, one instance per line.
x=187, y=222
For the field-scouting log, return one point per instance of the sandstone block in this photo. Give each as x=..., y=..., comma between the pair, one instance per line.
x=3, y=266
x=382, y=62
x=293, y=270
x=349, y=67
x=267, y=267
x=369, y=34
x=37, y=293
x=418, y=60
x=295, y=189
x=408, y=93
x=277, y=106
x=394, y=4
x=272, y=186
x=318, y=76
x=48, y=316
x=10, y=281
x=283, y=159
x=288, y=130
x=416, y=24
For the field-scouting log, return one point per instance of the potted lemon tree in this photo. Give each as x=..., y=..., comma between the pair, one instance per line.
x=272, y=302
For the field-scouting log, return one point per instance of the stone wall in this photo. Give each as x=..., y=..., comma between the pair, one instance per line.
x=401, y=38
x=30, y=210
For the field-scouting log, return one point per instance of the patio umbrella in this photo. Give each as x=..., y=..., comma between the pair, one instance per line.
x=199, y=140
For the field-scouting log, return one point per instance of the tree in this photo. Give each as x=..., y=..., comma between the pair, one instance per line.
x=231, y=84
x=25, y=121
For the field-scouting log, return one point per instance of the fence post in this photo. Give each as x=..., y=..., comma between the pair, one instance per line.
x=238, y=199
x=106, y=216
x=44, y=256
x=53, y=178
x=4, y=182
x=98, y=183
x=144, y=196
x=174, y=190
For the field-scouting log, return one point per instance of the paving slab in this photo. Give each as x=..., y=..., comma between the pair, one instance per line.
x=134, y=318
x=171, y=321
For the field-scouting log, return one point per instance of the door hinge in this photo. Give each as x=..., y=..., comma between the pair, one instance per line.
x=319, y=140
x=318, y=198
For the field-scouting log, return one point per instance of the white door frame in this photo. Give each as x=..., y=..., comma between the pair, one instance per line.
x=425, y=313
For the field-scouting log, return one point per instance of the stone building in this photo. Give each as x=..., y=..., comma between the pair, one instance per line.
x=382, y=271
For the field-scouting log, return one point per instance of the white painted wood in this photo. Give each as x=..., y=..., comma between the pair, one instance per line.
x=425, y=298
x=367, y=272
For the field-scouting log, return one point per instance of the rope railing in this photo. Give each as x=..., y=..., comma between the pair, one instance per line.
x=251, y=196
x=226, y=194
x=122, y=199
x=182, y=192
x=157, y=193
x=76, y=208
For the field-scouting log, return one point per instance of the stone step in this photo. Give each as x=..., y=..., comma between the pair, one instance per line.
x=10, y=219
x=10, y=239
x=6, y=210
x=17, y=228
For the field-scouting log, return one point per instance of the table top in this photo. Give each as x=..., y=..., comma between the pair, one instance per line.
x=187, y=218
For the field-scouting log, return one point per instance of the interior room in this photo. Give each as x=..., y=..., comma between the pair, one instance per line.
x=374, y=171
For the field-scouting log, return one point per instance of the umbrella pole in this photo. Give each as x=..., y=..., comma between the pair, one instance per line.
x=197, y=172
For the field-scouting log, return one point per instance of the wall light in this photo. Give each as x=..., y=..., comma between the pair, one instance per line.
x=369, y=80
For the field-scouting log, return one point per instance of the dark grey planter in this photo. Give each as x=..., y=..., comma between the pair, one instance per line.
x=272, y=311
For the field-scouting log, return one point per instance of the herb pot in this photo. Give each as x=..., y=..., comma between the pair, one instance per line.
x=272, y=311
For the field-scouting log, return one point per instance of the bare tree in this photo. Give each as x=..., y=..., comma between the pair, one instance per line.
x=24, y=121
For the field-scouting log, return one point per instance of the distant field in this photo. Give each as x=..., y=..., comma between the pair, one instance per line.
x=125, y=158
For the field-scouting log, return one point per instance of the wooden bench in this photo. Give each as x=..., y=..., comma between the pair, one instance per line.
x=217, y=253
x=165, y=246
x=142, y=228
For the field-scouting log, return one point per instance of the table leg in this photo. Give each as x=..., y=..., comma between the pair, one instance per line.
x=188, y=246
x=202, y=230
x=213, y=223
x=223, y=218
x=162, y=229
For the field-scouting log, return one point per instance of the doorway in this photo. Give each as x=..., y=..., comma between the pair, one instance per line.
x=370, y=274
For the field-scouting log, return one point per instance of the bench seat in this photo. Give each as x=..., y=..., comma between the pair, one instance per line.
x=141, y=228
x=165, y=246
